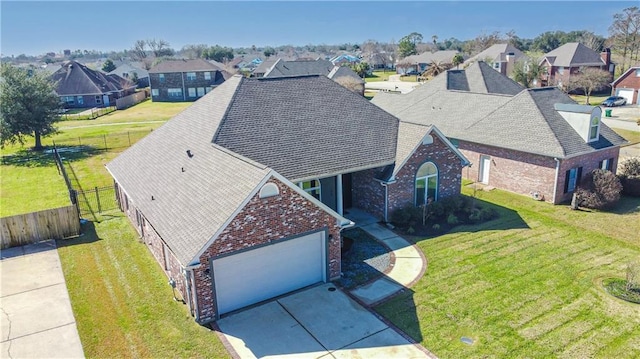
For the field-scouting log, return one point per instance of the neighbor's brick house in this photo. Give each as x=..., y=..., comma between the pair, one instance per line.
x=184, y=80
x=241, y=197
x=628, y=85
x=536, y=142
x=566, y=61
x=81, y=87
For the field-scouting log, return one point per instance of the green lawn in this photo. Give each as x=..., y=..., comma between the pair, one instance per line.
x=379, y=76
x=593, y=100
x=632, y=136
x=527, y=285
x=30, y=181
x=121, y=301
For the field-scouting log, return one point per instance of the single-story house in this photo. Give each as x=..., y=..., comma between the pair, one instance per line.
x=81, y=87
x=242, y=196
x=419, y=63
x=567, y=61
x=536, y=142
x=501, y=57
x=627, y=85
x=341, y=74
x=184, y=80
x=132, y=72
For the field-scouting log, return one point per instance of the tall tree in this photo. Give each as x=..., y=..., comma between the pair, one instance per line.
x=436, y=68
x=192, y=51
x=407, y=45
x=108, y=66
x=457, y=60
x=28, y=105
x=160, y=48
x=527, y=72
x=361, y=68
x=625, y=35
x=269, y=51
x=219, y=53
x=588, y=80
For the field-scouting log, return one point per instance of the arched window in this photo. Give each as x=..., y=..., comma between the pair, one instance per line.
x=426, y=183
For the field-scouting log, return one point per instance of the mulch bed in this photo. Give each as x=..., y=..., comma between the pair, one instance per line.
x=365, y=260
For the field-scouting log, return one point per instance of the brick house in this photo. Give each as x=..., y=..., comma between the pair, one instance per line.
x=81, y=87
x=628, y=85
x=536, y=142
x=242, y=196
x=567, y=60
x=184, y=80
x=419, y=63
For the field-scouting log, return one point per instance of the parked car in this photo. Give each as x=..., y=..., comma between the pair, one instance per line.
x=614, y=101
x=411, y=72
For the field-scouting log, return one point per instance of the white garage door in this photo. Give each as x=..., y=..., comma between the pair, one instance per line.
x=626, y=93
x=259, y=274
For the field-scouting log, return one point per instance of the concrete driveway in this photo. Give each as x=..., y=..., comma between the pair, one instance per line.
x=320, y=322
x=37, y=320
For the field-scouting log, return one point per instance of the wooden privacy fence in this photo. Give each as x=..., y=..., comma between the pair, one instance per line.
x=56, y=223
x=130, y=100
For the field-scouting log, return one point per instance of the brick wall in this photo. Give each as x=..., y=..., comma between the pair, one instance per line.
x=402, y=192
x=629, y=81
x=260, y=222
x=367, y=193
x=180, y=80
x=524, y=173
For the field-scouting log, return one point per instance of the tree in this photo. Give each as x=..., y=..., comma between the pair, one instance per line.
x=28, y=106
x=625, y=35
x=361, y=68
x=526, y=72
x=588, y=80
x=599, y=189
x=407, y=45
x=139, y=50
x=436, y=68
x=482, y=42
x=194, y=51
x=219, y=53
x=457, y=60
x=108, y=66
x=269, y=51
x=160, y=48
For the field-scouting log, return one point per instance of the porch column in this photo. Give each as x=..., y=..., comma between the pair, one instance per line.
x=339, y=194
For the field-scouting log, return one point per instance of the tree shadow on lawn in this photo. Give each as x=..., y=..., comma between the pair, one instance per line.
x=31, y=158
x=627, y=205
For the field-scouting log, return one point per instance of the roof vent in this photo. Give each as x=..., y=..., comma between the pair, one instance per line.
x=189, y=153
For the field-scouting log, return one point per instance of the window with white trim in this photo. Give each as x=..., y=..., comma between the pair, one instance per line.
x=312, y=187
x=155, y=92
x=426, y=186
x=80, y=100
x=98, y=99
x=637, y=72
x=560, y=70
x=174, y=92
x=68, y=100
x=207, y=75
x=200, y=91
x=192, y=92
x=191, y=76
x=606, y=164
x=594, y=129
x=161, y=77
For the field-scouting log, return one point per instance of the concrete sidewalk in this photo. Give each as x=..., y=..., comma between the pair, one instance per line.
x=408, y=267
x=37, y=319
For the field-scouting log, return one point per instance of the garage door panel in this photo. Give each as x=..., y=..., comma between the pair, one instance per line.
x=626, y=93
x=259, y=274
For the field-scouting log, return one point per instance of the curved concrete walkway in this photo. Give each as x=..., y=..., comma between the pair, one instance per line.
x=408, y=267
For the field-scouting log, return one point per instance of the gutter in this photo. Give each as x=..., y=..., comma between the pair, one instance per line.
x=555, y=183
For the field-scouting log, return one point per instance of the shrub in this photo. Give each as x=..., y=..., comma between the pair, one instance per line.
x=452, y=219
x=599, y=189
x=436, y=227
x=474, y=215
x=630, y=177
x=487, y=214
x=407, y=216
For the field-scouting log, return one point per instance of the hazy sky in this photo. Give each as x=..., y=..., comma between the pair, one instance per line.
x=34, y=28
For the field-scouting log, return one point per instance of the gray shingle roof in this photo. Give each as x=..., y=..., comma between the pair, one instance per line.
x=574, y=54
x=483, y=79
x=497, y=53
x=443, y=56
x=130, y=69
x=74, y=78
x=265, y=65
x=344, y=71
x=299, y=68
x=188, y=207
x=307, y=127
x=169, y=66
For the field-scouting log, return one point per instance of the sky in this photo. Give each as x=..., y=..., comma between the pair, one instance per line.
x=38, y=27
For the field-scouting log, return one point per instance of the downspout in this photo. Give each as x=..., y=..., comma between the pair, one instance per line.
x=184, y=90
x=187, y=282
x=555, y=183
x=386, y=202
x=196, y=308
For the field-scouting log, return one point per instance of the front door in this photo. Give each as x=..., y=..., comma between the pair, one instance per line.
x=105, y=100
x=347, y=200
x=485, y=165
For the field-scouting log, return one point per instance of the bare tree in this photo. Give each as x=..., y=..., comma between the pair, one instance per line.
x=139, y=50
x=625, y=35
x=588, y=80
x=160, y=47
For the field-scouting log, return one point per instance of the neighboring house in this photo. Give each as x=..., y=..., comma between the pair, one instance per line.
x=628, y=85
x=501, y=57
x=242, y=196
x=380, y=60
x=419, y=63
x=183, y=80
x=344, y=60
x=283, y=68
x=264, y=67
x=535, y=142
x=131, y=72
x=567, y=60
x=81, y=87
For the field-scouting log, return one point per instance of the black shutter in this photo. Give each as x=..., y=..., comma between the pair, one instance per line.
x=579, y=176
x=600, y=164
x=610, y=164
x=566, y=181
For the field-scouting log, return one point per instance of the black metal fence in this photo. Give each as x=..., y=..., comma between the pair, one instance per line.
x=105, y=142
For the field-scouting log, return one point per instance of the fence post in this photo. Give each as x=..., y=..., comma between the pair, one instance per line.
x=105, y=141
x=79, y=142
x=129, y=137
x=98, y=200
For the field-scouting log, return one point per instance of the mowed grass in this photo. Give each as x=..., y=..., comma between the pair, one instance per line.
x=527, y=285
x=593, y=99
x=30, y=181
x=632, y=136
x=121, y=301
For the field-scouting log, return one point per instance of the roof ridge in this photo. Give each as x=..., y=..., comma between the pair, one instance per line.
x=551, y=128
x=226, y=111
